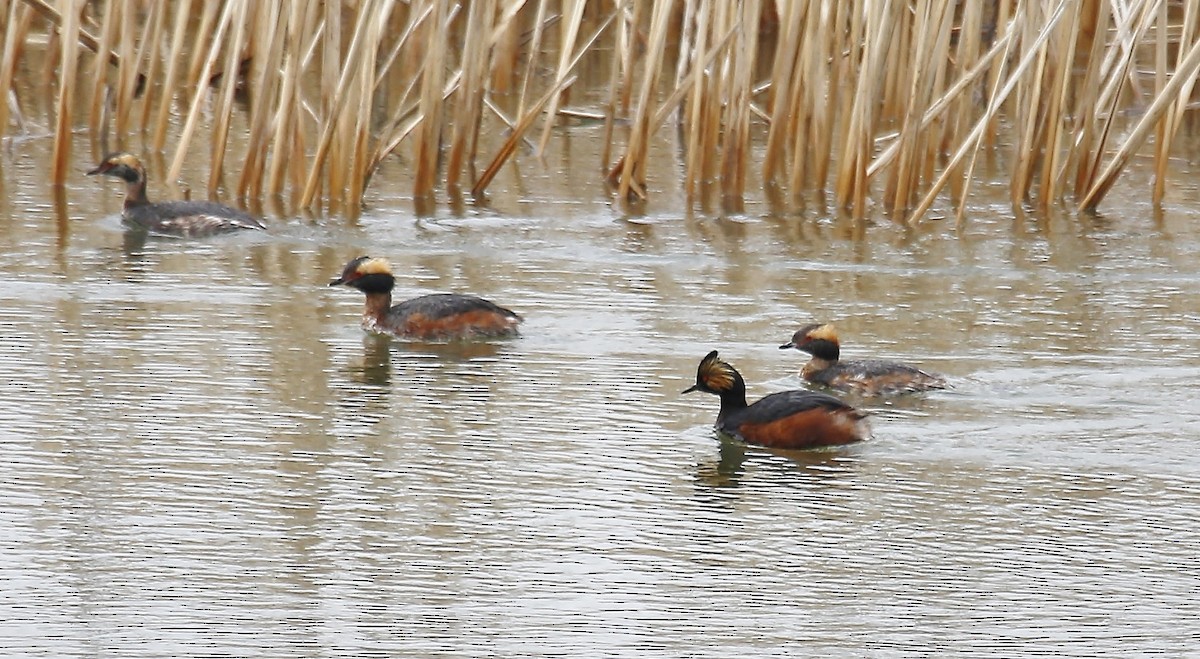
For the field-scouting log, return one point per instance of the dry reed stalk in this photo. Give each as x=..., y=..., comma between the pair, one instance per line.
x=956, y=93
x=696, y=106
x=931, y=139
x=196, y=78
x=856, y=152
x=285, y=125
x=84, y=37
x=1188, y=30
x=968, y=58
x=223, y=110
x=339, y=135
x=672, y=102
x=334, y=69
x=60, y=159
x=1083, y=130
x=15, y=28
x=687, y=34
x=109, y=23
x=396, y=130
x=535, y=52
x=572, y=19
x=627, y=43
x=1162, y=146
x=429, y=133
x=821, y=61
x=784, y=103
x=200, y=92
x=376, y=20
x=999, y=95
x=1005, y=17
x=264, y=80
x=174, y=57
x=736, y=151
x=1053, y=149
x=506, y=49
x=631, y=180
x=932, y=41
x=1118, y=63
x=621, y=77
x=850, y=126
x=510, y=145
x=615, y=74
x=132, y=51
x=896, y=75
x=525, y=122
x=1170, y=93
x=1029, y=105
x=468, y=113
x=153, y=59
x=829, y=91
x=710, y=92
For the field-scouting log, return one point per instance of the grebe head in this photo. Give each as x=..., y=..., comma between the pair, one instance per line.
x=367, y=274
x=819, y=340
x=124, y=166
x=716, y=376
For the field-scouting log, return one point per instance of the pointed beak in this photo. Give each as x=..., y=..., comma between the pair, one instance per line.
x=98, y=169
x=337, y=282
x=694, y=387
x=787, y=345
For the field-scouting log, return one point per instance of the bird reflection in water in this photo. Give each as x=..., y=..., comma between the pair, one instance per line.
x=728, y=469
x=376, y=366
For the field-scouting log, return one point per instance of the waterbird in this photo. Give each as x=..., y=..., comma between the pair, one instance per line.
x=871, y=377
x=185, y=219
x=437, y=317
x=796, y=419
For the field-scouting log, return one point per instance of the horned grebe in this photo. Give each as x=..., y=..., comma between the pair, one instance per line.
x=871, y=377
x=439, y=317
x=796, y=419
x=186, y=219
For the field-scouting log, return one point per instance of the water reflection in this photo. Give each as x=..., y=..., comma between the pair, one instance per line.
x=198, y=431
x=729, y=469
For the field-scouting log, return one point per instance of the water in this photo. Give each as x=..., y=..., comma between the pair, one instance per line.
x=202, y=454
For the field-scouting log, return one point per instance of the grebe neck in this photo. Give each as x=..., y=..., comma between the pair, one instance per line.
x=378, y=305
x=816, y=365
x=135, y=193
x=731, y=401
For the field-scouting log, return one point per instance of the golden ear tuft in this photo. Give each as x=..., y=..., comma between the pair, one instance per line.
x=374, y=267
x=715, y=374
x=127, y=159
x=825, y=332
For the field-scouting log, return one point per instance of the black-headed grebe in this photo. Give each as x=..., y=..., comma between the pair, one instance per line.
x=796, y=419
x=187, y=219
x=871, y=377
x=439, y=317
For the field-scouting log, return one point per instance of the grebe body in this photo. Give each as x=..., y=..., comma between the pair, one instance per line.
x=437, y=317
x=795, y=419
x=871, y=377
x=184, y=219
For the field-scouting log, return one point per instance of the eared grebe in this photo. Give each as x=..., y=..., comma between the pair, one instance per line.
x=187, y=219
x=871, y=377
x=796, y=419
x=440, y=317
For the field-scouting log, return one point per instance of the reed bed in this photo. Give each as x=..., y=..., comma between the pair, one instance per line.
x=858, y=104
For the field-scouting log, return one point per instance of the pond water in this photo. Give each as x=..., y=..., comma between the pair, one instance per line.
x=202, y=454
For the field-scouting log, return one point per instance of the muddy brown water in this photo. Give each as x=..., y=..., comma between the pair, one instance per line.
x=202, y=454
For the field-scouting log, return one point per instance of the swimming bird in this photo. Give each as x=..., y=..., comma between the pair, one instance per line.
x=437, y=317
x=796, y=419
x=185, y=219
x=872, y=377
